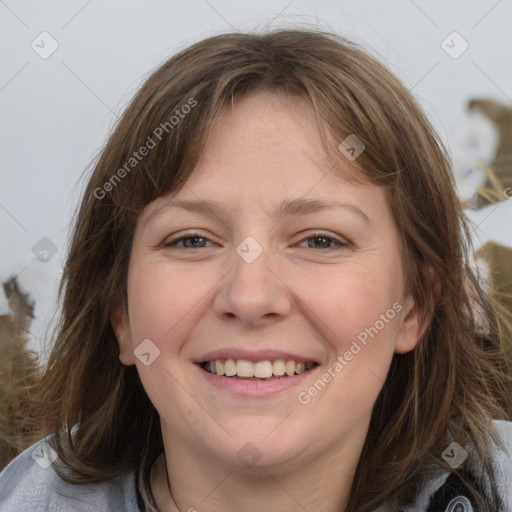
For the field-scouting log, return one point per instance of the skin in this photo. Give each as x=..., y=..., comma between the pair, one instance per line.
x=303, y=295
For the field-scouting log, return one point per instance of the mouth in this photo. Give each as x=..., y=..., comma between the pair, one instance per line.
x=265, y=370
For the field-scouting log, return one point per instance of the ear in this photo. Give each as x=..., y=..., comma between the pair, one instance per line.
x=121, y=327
x=411, y=328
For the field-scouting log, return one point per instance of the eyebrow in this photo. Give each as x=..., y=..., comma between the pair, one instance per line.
x=289, y=207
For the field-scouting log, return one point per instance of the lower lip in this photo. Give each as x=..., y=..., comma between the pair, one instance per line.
x=255, y=388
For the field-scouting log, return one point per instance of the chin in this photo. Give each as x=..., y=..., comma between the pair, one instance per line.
x=255, y=448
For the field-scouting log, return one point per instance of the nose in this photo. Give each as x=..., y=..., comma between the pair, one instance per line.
x=252, y=293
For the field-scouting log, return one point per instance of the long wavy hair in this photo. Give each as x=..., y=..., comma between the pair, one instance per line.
x=449, y=387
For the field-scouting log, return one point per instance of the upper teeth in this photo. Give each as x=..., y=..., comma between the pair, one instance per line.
x=261, y=369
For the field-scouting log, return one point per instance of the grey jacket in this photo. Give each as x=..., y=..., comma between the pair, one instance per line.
x=29, y=483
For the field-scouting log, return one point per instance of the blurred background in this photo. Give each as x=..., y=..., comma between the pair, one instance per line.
x=69, y=69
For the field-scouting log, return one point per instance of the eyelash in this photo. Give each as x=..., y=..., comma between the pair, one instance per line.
x=340, y=244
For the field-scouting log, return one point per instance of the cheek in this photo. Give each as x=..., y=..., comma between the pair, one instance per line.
x=163, y=299
x=162, y=305
x=357, y=310
x=346, y=301
x=150, y=302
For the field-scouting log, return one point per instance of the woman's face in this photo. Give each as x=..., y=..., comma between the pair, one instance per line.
x=265, y=263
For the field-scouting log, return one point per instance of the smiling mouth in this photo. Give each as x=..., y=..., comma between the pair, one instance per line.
x=262, y=370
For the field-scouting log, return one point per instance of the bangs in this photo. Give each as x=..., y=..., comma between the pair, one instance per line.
x=163, y=133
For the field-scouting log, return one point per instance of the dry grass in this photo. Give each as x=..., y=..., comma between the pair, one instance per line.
x=19, y=373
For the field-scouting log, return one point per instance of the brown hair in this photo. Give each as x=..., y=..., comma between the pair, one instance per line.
x=452, y=384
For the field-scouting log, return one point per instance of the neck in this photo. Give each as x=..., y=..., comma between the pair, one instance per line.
x=320, y=481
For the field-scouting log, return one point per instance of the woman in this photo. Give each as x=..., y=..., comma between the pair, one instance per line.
x=267, y=303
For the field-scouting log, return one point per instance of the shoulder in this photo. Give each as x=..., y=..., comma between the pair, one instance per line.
x=445, y=492
x=502, y=462
x=453, y=491
x=29, y=482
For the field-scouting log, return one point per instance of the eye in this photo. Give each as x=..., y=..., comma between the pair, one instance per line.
x=190, y=241
x=315, y=241
x=324, y=241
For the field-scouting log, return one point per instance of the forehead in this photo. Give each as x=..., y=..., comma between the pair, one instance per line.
x=264, y=149
x=269, y=135
x=262, y=126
